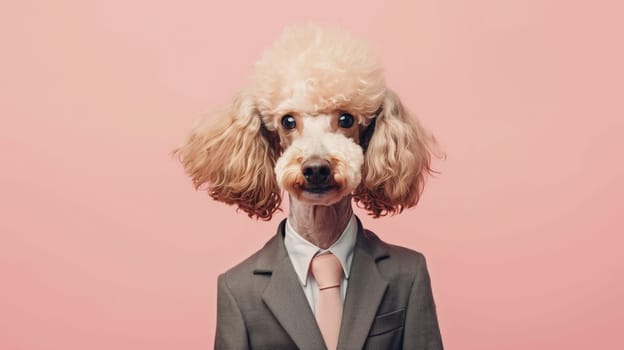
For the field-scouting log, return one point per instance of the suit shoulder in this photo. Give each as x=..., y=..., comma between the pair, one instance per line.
x=407, y=254
x=399, y=252
x=238, y=275
x=400, y=259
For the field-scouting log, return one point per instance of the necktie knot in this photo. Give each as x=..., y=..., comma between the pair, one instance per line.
x=327, y=270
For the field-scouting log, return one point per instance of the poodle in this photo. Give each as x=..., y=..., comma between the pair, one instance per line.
x=317, y=122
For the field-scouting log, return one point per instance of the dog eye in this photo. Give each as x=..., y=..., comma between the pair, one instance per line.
x=288, y=122
x=345, y=120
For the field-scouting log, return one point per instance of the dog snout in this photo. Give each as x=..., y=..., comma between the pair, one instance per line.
x=316, y=171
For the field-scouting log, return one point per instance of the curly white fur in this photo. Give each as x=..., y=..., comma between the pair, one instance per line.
x=244, y=156
x=317, y=141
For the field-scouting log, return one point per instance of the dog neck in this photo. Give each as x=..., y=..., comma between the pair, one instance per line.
x=318, y=224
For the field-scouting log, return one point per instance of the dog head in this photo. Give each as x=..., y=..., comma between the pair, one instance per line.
x=318, y=122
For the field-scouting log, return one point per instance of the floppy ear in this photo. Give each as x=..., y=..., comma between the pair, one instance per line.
x=231, y=155
x=396, y=160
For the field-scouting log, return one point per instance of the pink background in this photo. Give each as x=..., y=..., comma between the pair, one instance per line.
x=105, y=245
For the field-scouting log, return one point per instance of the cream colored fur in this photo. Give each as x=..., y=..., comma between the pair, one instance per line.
x=242, y=155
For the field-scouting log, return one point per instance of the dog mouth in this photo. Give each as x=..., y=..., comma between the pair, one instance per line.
x=319, y=189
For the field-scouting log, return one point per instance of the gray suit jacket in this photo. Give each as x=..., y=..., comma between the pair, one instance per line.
x=388, y=303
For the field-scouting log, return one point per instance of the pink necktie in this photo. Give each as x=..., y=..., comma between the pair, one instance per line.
x=327, y=272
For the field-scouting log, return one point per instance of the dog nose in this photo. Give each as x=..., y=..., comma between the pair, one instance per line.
x=316, y=171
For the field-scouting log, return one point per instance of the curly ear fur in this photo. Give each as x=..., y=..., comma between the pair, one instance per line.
x=232, y=156
x=396, y=160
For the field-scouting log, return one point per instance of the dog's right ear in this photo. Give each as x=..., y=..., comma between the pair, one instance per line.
x=232, y=156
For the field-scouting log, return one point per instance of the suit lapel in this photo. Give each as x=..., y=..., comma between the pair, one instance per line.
x=284, y=296
x=365, y=291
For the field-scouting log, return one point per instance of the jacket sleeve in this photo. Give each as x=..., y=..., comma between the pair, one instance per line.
x=421, y=321
x=231, y=331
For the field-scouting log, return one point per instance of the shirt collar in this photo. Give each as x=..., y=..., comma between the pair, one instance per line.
x=301, y=251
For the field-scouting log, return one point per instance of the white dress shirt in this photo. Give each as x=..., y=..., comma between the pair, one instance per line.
x=301, y=252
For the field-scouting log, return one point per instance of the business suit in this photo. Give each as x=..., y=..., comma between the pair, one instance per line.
x=388, y=305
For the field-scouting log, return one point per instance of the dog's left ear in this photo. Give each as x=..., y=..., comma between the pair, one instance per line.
x=397, y=159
